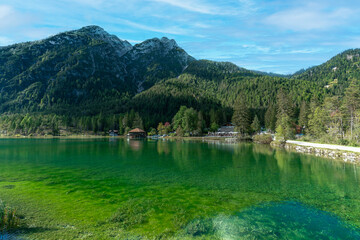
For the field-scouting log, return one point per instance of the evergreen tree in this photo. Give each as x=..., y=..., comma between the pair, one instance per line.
x=137, y=122
x=241, y=116
x=178, y=118
x=284, y=104
x=284, y=131
x=255, y=126
x=190, y=120
x=352, y=103
x=270, y=118
x=200, y=123
x=316, y=123
x=214, y=127
x=126, y=121
x=285, y=111
x=303, y=115
x=121, y=126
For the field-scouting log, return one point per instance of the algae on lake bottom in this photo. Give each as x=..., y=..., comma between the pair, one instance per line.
x=106, y=189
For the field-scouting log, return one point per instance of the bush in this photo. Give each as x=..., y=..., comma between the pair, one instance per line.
x=8, y=218
x=263, y=138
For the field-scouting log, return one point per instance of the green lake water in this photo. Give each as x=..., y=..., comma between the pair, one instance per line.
x=120, y=189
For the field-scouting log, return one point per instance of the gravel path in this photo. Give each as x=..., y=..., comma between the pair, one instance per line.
x=327, y=146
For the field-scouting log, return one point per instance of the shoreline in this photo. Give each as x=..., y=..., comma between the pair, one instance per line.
x=332, y=151
x=115, y=137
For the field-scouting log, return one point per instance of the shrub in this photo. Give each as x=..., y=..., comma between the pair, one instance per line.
x=263, y=138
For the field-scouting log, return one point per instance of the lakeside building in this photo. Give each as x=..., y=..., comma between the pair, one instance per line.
x=136, y=133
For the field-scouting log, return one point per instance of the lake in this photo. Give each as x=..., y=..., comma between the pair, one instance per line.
x=121, y=189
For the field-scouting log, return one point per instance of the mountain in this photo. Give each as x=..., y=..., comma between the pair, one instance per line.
x=89, y=71
x=336, y=74
x=153, y=60
x=83, y=70
x=221, y=83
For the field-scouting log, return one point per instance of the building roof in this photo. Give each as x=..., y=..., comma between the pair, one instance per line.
x=226, y=129
x=137, y=130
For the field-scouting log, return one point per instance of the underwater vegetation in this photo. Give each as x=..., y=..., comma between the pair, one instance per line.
x=9, y=220
x=118, y=189
x=274, y=220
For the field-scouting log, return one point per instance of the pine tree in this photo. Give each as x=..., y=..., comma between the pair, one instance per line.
x=284, y=104
x=285, y=112
x=241, y=116
x=352, y=102
x=200, y=123
x=316, y=123
x=178, y=118
x=303, y=115
x=284, y=131
x=137, y=122
x=190, y=120
x=255, y=126
x=270, y=118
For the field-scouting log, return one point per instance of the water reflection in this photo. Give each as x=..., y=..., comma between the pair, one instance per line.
x=135, y=145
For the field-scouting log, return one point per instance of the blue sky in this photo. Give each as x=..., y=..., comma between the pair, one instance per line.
x=268, y=35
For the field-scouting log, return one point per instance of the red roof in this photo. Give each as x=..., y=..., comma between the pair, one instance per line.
x=137, y=130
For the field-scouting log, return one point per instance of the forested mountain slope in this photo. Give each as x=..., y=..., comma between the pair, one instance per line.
x=335, y=74
x=83, y=71
x=88, y=71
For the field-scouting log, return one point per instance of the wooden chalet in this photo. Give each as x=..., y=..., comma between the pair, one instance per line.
x=136, y=133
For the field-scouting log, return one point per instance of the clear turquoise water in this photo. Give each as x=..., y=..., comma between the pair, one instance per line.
x=115, y=188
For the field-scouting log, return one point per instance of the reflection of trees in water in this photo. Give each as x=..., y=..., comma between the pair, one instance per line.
x=163, y=147
x=136, y=145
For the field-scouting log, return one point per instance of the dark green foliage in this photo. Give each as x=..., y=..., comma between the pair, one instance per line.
x=255, y=126
x=262, y=138
x=241, y=117
x=186, y=121
x=303, y=115
x=284, y=129
x=285, y=112
x=270, y=118
x=317, y=121
x=52, y=124
x=352, y=103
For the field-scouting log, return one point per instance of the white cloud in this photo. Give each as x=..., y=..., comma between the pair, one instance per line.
x=91, y=3
x=170, y=30
x=10, y=18
x=309, y=18
x=197, y=6
x=304, y=51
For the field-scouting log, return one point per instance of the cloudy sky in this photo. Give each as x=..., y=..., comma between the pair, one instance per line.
x=268, y=35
